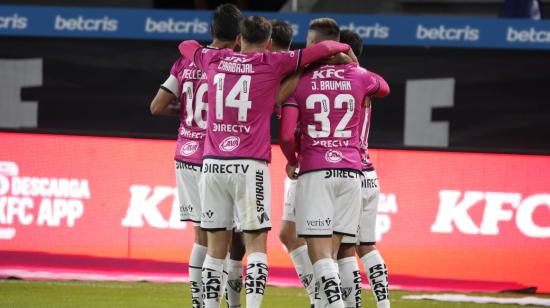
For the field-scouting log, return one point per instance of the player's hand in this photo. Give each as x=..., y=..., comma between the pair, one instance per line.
x=352, y=55
x=291, y=172
x=367, y=102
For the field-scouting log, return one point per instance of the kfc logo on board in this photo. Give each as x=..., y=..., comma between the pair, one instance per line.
x=499, y=208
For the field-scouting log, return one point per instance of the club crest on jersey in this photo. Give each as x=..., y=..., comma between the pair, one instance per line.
x=189, y=148
x=230, y=143
x=333, y=156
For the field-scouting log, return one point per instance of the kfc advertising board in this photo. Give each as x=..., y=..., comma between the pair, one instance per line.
x=442, y=215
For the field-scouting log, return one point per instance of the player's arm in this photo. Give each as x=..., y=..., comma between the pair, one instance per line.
x=161, y=104
x=189, y=48
x=289, y=118
x=383, y=88
x=322, y=50
x=288, y=85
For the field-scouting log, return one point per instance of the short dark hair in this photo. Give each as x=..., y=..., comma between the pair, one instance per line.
x=281, y=33
x=353, y=39
x=255, y=29
x=326, y=28
x=225, y=22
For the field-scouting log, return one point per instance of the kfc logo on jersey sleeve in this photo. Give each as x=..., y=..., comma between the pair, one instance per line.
x=230, y=143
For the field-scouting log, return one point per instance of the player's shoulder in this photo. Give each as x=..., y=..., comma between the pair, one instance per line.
x=278, y=55
x=181, y=63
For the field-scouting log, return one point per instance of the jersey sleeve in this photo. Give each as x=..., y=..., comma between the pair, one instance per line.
x=286, y=62
x=291, y=102
x=375, y=85
x=206, y=55
x=172, y=84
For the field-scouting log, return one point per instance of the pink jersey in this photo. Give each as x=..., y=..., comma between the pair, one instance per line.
x=364, y=138
x=330, y=100
x=188, y=83
x=242, y=96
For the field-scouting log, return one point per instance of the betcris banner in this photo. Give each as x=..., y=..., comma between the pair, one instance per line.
x=179, y=25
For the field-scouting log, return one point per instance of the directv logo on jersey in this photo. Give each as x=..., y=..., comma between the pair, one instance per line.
x=341, y=173
x=80, y=23
x=333, y=156
x=14, y=22
x=195, y=26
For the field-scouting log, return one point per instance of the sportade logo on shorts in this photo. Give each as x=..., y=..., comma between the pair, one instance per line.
x=82, y=24
x=174, y=26
x=260, y=197
x=14, y=22
x=333, y=156
x=44, y=201
x=230, y=143
x=189, y=148
x=498, y=208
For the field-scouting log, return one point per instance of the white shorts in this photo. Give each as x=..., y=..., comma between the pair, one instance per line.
x=327, y=202
x=289, y=199
x=187, y=181
x=370, y=193
x=239, y=188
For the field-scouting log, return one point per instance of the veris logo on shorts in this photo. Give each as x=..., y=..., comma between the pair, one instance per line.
x=333, y=156
x=43, y=201
x=230, y=143
x=189, y=148
x=319, y=222
x=208, y=214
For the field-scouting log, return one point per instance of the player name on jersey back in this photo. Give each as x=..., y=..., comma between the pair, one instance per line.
x=241, y=99
x=191, y=89
x=330, y=100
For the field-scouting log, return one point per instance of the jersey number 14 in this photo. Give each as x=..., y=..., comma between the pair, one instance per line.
x=241, y=89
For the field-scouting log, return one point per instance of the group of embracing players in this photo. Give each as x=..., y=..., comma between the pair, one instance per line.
x=227, y=92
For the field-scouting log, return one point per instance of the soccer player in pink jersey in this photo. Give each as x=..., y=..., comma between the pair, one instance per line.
x=188, y=84
x=373, y=262
x=327, y=103
x=235, y=176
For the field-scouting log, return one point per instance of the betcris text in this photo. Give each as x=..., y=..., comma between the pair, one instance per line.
x=447, y=33
x=14, y=22
x=170, y=25
x=83, y=24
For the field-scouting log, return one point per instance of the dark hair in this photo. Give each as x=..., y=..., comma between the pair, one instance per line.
x=281, y=33
x=225, y=22
x=255, y=29
x=326, y=28
x=353, y=40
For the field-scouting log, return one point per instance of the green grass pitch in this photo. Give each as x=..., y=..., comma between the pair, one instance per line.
x=29, y=294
